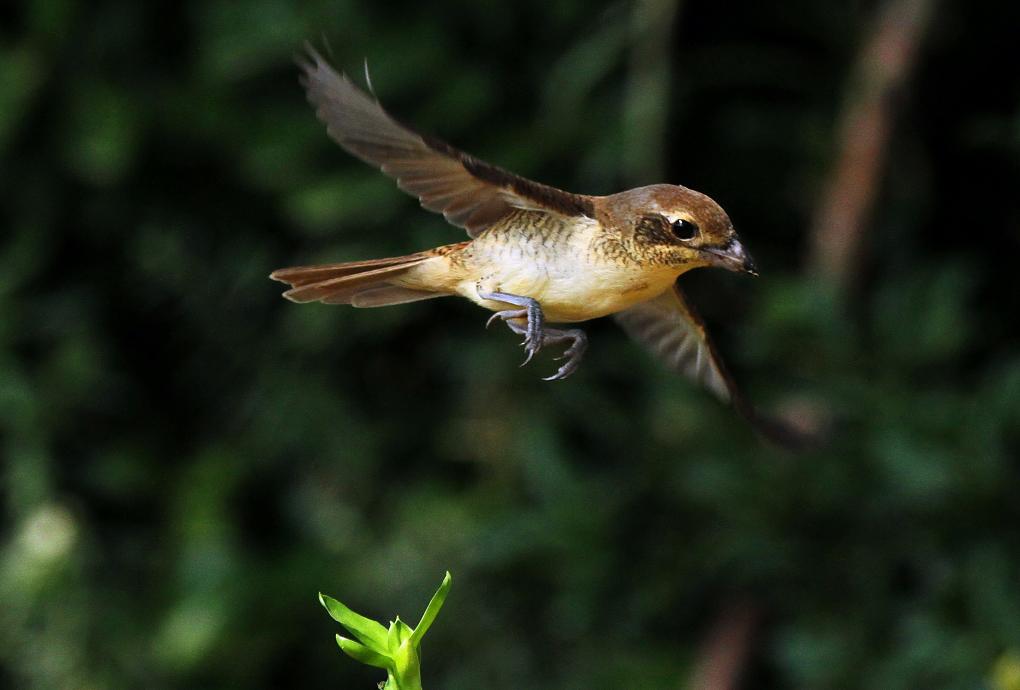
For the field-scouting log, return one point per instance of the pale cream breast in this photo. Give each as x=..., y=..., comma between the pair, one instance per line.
x=559, y=267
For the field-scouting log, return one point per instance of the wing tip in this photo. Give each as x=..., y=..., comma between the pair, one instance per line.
x=784, y=431
x=786, y=435
x=315, y=67
x=308, y=58
x=280, y=275
x=286, y=275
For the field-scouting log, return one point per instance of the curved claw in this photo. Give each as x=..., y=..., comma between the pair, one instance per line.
x=568, y=368
x=536, y=335
x=507, y=314
x=530, y=310
x=531, y=346
x=573, y=354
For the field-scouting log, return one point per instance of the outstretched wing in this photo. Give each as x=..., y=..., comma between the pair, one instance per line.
x=672, y=330
x=469, y=192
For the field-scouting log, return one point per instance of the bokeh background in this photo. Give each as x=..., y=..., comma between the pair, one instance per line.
x=187, y=459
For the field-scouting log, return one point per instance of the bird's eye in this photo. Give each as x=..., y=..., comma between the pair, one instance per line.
x=684, y=229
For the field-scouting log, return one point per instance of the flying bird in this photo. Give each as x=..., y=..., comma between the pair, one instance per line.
x=537, y=255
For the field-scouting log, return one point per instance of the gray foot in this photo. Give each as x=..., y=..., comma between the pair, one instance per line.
x=536, y=333
x=530, y=310
x=573, y=354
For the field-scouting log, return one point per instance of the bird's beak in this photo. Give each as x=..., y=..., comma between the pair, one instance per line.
x=731, y=256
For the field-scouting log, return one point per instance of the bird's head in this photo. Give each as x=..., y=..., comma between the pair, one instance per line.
x=677, y=226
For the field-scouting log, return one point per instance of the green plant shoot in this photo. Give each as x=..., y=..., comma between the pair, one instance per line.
x=395, y=649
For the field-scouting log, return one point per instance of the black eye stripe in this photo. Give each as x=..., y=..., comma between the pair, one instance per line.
x=684, y=229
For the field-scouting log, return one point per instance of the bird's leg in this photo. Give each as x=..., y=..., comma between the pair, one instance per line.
x=530, y=310
x=573, y=354
x=536, y=333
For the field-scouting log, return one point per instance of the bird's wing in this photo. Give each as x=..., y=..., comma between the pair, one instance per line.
x=670, y=328
x=469, y=192
x=673, y=331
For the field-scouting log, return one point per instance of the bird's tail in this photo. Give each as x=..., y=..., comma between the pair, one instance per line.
x=372, y=283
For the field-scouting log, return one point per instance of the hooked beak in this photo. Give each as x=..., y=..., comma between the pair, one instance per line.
x=731, y=256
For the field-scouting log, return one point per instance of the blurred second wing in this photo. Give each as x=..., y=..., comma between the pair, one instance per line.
x=673, y=331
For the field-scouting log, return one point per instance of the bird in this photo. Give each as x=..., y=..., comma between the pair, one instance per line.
x=539, y=258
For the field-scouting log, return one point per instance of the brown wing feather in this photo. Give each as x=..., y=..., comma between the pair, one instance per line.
x=671, y=328
x=469, y=192
x=673, y=331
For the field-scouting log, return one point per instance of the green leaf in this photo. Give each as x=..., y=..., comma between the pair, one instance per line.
x=370, y=633
x=399, y=633
x=360, y=652
x=432, y=610
x=403, y=631
x=392, y=640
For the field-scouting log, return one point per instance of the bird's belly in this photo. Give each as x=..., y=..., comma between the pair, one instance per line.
x=570, y=292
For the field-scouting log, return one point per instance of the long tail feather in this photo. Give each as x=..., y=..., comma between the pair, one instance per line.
x=362, y=283
x=389, y=295
x=305, y=275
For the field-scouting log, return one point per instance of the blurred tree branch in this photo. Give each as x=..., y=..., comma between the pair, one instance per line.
x=883, y=67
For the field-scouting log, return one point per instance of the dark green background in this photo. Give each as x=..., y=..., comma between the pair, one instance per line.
x=188, y=458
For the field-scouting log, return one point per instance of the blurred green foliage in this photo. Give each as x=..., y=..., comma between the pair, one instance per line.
x=187, y=458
